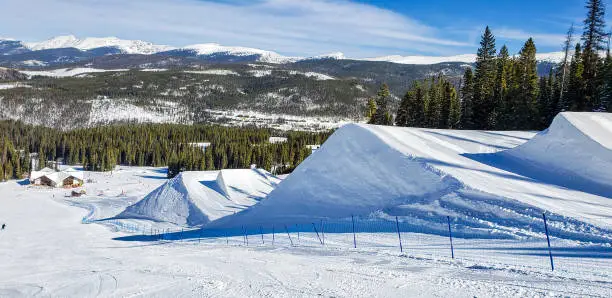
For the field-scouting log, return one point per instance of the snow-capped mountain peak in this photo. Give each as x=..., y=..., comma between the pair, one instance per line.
x=214, y=48
x=71, y=41
x=335, y=55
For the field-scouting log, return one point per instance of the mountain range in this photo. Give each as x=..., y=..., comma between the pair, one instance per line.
x=66, y=82
x=70, y=49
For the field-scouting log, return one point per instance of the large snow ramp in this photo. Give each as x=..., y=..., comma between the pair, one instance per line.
x=196, y=198
x=575, y=152
x=423, y=175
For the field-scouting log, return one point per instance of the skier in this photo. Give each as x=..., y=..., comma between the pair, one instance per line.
x=3, y=226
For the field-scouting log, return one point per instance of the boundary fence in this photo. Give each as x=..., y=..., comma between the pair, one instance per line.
x=439, y=239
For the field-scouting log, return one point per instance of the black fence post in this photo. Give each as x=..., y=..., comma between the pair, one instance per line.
x=552, y=264
x=315, y=229
x=450, y=235
x=399, y=235
x=322, y=232
x=354, y=237
x=288, y=235
x=261, y=232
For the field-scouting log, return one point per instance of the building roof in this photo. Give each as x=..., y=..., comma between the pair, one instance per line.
x=56, y=176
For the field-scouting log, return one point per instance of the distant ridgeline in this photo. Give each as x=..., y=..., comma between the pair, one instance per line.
x=172, y=145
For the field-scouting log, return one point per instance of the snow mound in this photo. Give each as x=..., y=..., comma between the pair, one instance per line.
x=577, y=149
x=424, y=175
x=196, y=198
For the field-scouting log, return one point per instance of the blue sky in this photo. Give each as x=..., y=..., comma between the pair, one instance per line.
x=359, y=28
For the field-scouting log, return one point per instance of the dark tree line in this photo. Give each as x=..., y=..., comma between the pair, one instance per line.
x=504, y=92
x=176, y=146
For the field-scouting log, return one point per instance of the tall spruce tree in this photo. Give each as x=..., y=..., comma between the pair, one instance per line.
x=433, y=104
x=454, y=113
x=528, y=87
x=606, y=85
x=467, y=100
x=498, y=117
x=447, y=99
x=411, y=111
x=593, y=37
x=371, y=110
x=382, y=115
x=484, y=80
x=574, y=99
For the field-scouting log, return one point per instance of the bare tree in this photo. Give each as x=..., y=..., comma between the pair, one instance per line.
x=567, y=45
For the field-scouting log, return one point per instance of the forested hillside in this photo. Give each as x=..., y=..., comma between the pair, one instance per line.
x=180, y=147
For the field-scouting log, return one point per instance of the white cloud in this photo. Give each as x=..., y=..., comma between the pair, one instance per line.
x=539, y=38
x=304, y=27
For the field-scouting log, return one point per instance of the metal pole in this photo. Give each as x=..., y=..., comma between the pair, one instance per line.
x=261, y=232
x=315, y=228
x=552, y=264
x=288, y=235
x=273, y=235
x=399, y=235
x=450, y=235
x=354, y=237
x=322, y=232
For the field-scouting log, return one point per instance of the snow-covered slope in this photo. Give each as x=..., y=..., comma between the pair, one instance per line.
x=126, y=46
x=576, y=151
x=216, y=49
x=195, y=198
x=426, y=174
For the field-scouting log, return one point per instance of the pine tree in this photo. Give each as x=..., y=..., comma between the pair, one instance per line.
x=606, y=85
x=484, y=80
x=382, y=116
x=447, y=99
x=497, y=119
x=574, y=99
x=433, y=104
x=594, y=37
x=543, y=103
x=528, y=86
x=467, y=100
x=371, y=110
x=454, y=113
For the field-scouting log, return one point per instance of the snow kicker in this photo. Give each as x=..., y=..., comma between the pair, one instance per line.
x=196, y=198
x=487, y=181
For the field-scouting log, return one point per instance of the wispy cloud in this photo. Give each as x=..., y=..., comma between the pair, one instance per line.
x=539, y=38
x=303, y=27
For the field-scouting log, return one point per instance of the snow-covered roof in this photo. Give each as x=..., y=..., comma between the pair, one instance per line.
x=56, y=176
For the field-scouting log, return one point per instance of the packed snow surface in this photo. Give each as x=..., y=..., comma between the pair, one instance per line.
x=426, y=174
x=196, y=198
x=46, y=251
